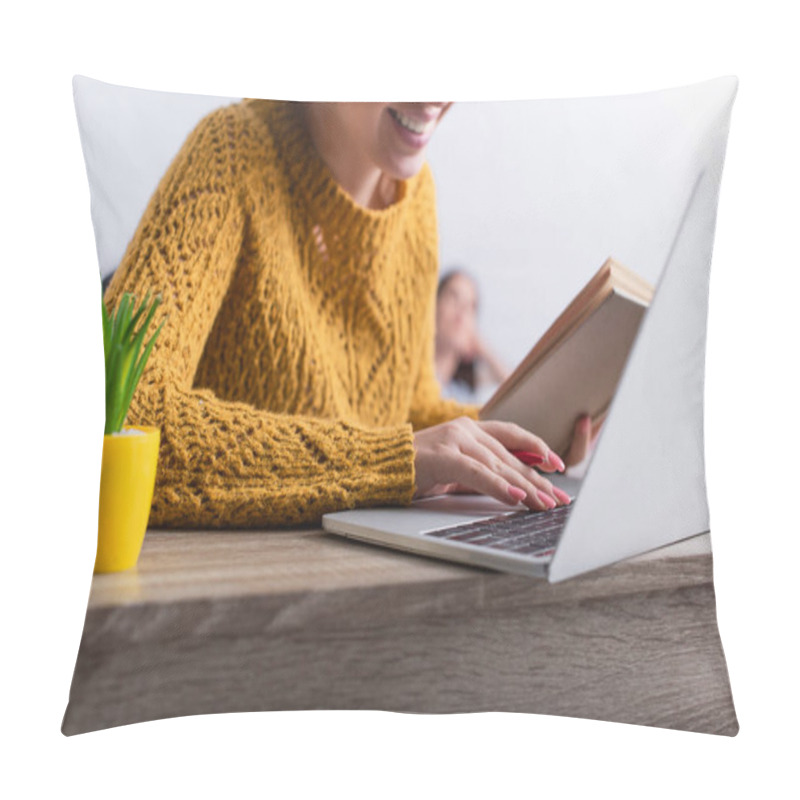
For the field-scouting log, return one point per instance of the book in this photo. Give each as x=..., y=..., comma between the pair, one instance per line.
x=575, y=367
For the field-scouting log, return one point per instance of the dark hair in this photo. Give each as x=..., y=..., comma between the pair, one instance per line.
x=446, y=277
x=465, y=371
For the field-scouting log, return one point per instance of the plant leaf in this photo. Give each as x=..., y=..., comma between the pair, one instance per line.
x=140, y=364
x=114, y=363
x=126, y=330
x=123, y=341
x=119, y=317
x=106, y=328
x=142, y=308
x=135, y=348
x=113, y=390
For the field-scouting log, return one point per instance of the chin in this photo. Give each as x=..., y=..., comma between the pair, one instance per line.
x=406, y=168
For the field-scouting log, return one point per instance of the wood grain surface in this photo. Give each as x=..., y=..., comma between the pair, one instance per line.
x=215, y=622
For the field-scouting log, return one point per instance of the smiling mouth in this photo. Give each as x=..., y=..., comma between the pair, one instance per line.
x=413, y=125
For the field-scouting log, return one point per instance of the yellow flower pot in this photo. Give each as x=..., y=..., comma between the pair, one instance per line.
x=127, y=479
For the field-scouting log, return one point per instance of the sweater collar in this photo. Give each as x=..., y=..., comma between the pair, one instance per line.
x=310, y=175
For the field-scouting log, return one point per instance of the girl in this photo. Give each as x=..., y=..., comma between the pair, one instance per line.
x=465, y=367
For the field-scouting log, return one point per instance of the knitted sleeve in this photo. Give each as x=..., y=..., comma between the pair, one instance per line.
x=223, y=463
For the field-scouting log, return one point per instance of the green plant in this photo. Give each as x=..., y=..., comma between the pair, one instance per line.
x=125, y=359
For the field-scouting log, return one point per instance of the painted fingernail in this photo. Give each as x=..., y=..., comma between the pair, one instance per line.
x=556, y=461
x=528, y=457
x=517, y=494
x=546, y=499
x=562, y=496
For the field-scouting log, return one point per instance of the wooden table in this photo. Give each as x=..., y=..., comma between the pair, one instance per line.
x=231, y=621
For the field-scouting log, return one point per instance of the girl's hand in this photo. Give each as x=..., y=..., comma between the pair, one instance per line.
x=469, y=455
x=583, y=440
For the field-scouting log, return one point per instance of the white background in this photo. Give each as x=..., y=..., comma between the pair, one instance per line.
x=52, y=386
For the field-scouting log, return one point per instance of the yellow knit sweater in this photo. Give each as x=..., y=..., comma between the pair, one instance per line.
x=297, y=356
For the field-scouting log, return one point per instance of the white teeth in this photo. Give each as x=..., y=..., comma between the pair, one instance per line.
x=411, y=124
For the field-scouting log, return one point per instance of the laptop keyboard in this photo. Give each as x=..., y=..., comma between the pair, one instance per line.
x=522, y=532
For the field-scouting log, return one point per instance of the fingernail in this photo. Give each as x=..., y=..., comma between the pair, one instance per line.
x=562, y=496
x=556, y=461
x=586, y=423
x=517, y=494
x=528, y=457
x=546, y=499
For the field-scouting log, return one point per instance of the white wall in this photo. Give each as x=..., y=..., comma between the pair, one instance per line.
x=129, y=137
x=535, y=195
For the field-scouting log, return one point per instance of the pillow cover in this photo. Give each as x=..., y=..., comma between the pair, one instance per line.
x=239, y=601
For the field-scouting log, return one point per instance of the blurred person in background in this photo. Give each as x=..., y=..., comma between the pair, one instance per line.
x=467, y=370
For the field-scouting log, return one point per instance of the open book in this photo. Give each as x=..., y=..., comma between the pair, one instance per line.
x=575, y=367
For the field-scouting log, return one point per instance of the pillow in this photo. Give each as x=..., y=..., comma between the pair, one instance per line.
x=280, y=391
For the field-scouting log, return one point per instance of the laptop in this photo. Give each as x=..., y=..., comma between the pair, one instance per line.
x=664, y=507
